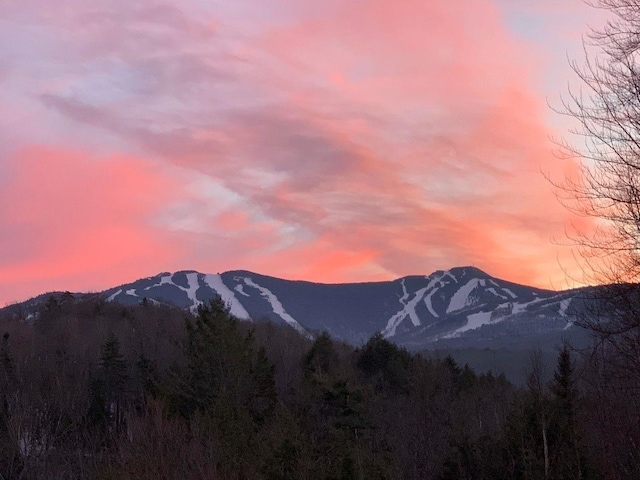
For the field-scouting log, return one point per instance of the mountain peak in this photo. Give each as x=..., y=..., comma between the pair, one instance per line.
x=453, y=305
x=468, y=271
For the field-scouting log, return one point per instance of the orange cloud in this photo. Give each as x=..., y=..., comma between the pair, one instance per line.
x=328, y=141
x=71, y=220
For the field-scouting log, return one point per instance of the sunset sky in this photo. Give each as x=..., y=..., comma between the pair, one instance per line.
x=333, y=140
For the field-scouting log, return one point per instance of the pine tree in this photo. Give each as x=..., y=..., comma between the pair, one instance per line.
x=569, y=462
x=226, y=389
x=321, y=359
x=109, y=388
x=390, y=363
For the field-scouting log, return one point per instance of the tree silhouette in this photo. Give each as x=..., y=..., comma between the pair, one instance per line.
x=607, y=110
x=109, y=388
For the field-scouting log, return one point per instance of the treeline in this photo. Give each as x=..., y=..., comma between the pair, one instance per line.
x=91, y=389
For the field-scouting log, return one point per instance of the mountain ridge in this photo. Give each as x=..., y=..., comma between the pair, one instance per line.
x=459, y=307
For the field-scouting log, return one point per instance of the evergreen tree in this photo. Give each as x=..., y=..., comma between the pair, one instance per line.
x=147, y=379
x=219, y=359
x=226, y=389
x=389, y=363
x=109, y=387
x=569, y=455
x=321, y=358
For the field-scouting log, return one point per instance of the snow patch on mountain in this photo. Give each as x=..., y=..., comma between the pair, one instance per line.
x=475, y=320
x=192, y=282
x=427, y=302
x=521, y=307
x=510, y=292
x=409, y=309
x=235, y=307
x=194, y=285
x=564, y=304
x=496, y=293
x=456, y=304
x=435, y=281
x=450, y=275
x=405, y=294
x=164, y=279
x=240, y=290
x=460, y=299
x=112, y=297
x=277, y=307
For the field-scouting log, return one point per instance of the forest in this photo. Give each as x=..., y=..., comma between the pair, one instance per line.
x=97, y=390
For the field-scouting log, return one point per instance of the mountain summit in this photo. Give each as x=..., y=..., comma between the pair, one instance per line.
x=460, y=307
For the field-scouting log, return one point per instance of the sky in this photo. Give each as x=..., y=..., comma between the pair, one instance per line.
x=332, y=141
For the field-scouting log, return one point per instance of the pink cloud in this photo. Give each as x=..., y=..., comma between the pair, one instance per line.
x=340, y=141
x=67, y=215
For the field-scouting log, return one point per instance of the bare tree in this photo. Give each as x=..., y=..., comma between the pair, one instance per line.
x=607, y=109
x=608, y=112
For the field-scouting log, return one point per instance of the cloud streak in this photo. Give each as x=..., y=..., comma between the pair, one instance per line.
x=329, y=142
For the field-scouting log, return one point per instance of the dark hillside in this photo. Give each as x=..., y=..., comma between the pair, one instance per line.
x=92, y=389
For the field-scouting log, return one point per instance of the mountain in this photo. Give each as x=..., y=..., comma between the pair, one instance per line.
x=459, y=308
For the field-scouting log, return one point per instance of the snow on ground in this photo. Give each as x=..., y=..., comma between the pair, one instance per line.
x=475, y=320
x=277, y=307
x=493, y=290
x=408, y=310
x=192, y=281
x=433, y=285
x=392, y=324
x=131, y=292
x=521, y=307
x=235, y=307
x=168, y=278
x=427, y=302
x=194, y=285
x=240, y=290
x=448, y=274
x=405, y=294
x=505, y=290
x=564, y=304
x=460, y=299
x=112, y=297
x=510, y=292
